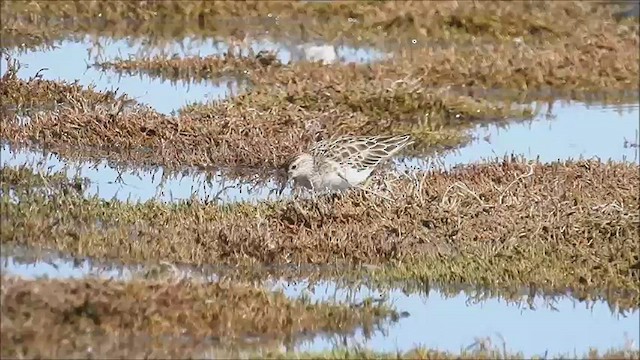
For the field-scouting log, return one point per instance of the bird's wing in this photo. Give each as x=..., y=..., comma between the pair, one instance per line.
x=363, y=152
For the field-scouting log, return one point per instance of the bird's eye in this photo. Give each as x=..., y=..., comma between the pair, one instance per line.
x=293, y=167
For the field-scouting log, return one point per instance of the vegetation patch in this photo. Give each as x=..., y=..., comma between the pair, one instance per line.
x=486, y=44
x=570, y=66
x=505, y=223
x=193, y=68
x=83, y=314
x=349, y=279
x=37, y=94
x=481, y=352
x=260, y=130
x=517, y=47
x=373, y=22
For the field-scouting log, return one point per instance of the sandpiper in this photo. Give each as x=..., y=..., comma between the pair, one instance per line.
x=344, y=162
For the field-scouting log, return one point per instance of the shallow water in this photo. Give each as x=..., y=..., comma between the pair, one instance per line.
x=450, y=318
x=559, y=325
x=566, y=130
x=436, y=320
x=109, y=182
x=569, y=130
x=72, y=60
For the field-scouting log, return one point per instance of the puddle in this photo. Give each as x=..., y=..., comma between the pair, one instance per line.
x=447, y=318
x=569, y=130
x=71, y=60
x=109, y=182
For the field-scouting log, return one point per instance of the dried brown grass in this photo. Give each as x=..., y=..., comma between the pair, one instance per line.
x=578, y=63
x=79, y=315
x=261, y=129
x=560, y=224
x=391, y=22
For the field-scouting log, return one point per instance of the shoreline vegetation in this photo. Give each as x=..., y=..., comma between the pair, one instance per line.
x=507, y=224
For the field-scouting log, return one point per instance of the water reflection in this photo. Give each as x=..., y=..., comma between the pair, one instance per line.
x=559, y=325
x=136, y=185
x=567, y=130
x=447, y=317
x=72, y=60
x=32, y=264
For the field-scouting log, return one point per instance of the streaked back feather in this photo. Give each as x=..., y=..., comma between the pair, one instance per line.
x=361, y=152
